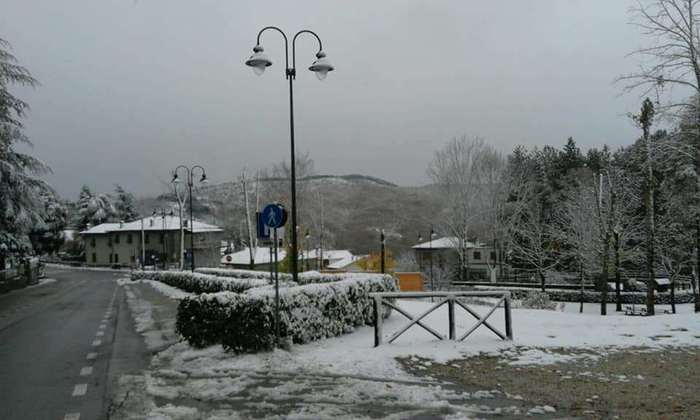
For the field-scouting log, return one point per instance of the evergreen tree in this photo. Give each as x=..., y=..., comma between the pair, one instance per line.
x=124, y=205
x=94, y=209
x=20, y=187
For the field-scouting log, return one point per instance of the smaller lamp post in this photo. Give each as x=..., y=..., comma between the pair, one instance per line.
x=432, y=235
x=162, y=212
x=382, y=239
x=189, y=177
x=306, y=245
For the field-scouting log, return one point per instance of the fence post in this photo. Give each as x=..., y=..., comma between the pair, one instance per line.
x=509, y=322
x=378, y=320
x=451, y=315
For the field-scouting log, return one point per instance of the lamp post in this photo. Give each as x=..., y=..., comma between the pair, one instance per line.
x=259, y=61
x=162, y=212
x=420, y=254
x=189, y=178
x=382, y=238
x=306, y=245
x=432, y=254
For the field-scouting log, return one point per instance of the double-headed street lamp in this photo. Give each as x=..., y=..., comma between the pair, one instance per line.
x=189, y=178
x=259, y=61
x=163, y=212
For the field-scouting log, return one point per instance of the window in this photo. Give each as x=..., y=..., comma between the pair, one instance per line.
x=94, y=257
x=92, y=242
x=147, y=238
x=133, y=259
x=129, y=239
x=477, y=255
x=116, y=238
x=116, y=258
x=493, y=256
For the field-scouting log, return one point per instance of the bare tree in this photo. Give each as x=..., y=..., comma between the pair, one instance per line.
x=468, y=173
x=672, y=60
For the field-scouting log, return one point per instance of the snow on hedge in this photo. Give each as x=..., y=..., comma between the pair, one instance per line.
x=244, y=322
x=199, y=283
x=242, y=274
x=307, y=277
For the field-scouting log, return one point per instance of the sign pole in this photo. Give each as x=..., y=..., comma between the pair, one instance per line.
x=277, y=293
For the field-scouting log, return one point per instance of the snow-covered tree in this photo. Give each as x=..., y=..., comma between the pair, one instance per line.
x=124, y=206
x=94, y=208
x=21, y=208
x=48, y=236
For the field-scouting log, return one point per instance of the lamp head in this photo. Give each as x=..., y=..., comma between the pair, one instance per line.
x=176, y=179
x=321, y=66
x=259, y=61
x=204, y=179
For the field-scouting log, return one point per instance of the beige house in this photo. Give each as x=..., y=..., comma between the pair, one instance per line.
x=480, y=261
x=156, y=237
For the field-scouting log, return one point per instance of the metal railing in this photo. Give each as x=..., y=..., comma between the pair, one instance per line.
x=451, y=299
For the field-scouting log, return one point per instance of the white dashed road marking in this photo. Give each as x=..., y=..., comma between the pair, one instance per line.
x=103, y=326
x=96, y=343
x=72, y=416
x=86, y=371
x=100, y=333
x=79, y=390
x=92, y=356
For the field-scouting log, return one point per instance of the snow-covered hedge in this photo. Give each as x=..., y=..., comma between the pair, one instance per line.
x=537, y=300
x=244, y=322
x=307, y=277
x=199, y=283
x=242, y=274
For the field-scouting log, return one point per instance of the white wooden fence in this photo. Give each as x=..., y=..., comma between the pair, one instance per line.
x=451, y=299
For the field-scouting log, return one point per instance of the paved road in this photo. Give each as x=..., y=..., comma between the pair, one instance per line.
x=62, y=344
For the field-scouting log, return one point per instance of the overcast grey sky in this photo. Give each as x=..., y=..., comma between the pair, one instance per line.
x=131, y=88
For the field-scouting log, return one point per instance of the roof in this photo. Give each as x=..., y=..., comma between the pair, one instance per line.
x=152, y=223
x=262, y=256
x=447, y=242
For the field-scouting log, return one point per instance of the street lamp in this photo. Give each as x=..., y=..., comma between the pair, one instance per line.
x=306, y=245
x=189, y=178
x=432, y=254
x=382, y=239
x=162, y=212
x=259, y=61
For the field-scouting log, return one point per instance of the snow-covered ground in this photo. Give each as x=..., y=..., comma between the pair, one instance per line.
x=354, y=353
x=333, y=377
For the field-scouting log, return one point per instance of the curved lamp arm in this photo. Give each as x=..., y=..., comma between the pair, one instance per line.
x=177, y=169
x=294, y=40
x=286, y=45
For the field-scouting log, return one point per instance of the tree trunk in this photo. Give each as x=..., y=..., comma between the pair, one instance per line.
x=604, y=277
x=673, y=295
x=618, y=299
x=580, y=309
x=541, y=274
x=651, y=277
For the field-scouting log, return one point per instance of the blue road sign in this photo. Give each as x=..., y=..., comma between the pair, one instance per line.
x=262, y=229
x=274, y=216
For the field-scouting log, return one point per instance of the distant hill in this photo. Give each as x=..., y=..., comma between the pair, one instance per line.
x=355, y=208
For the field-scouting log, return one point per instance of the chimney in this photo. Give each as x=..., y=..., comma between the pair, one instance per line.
x=150, y=222
x=121, y=224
